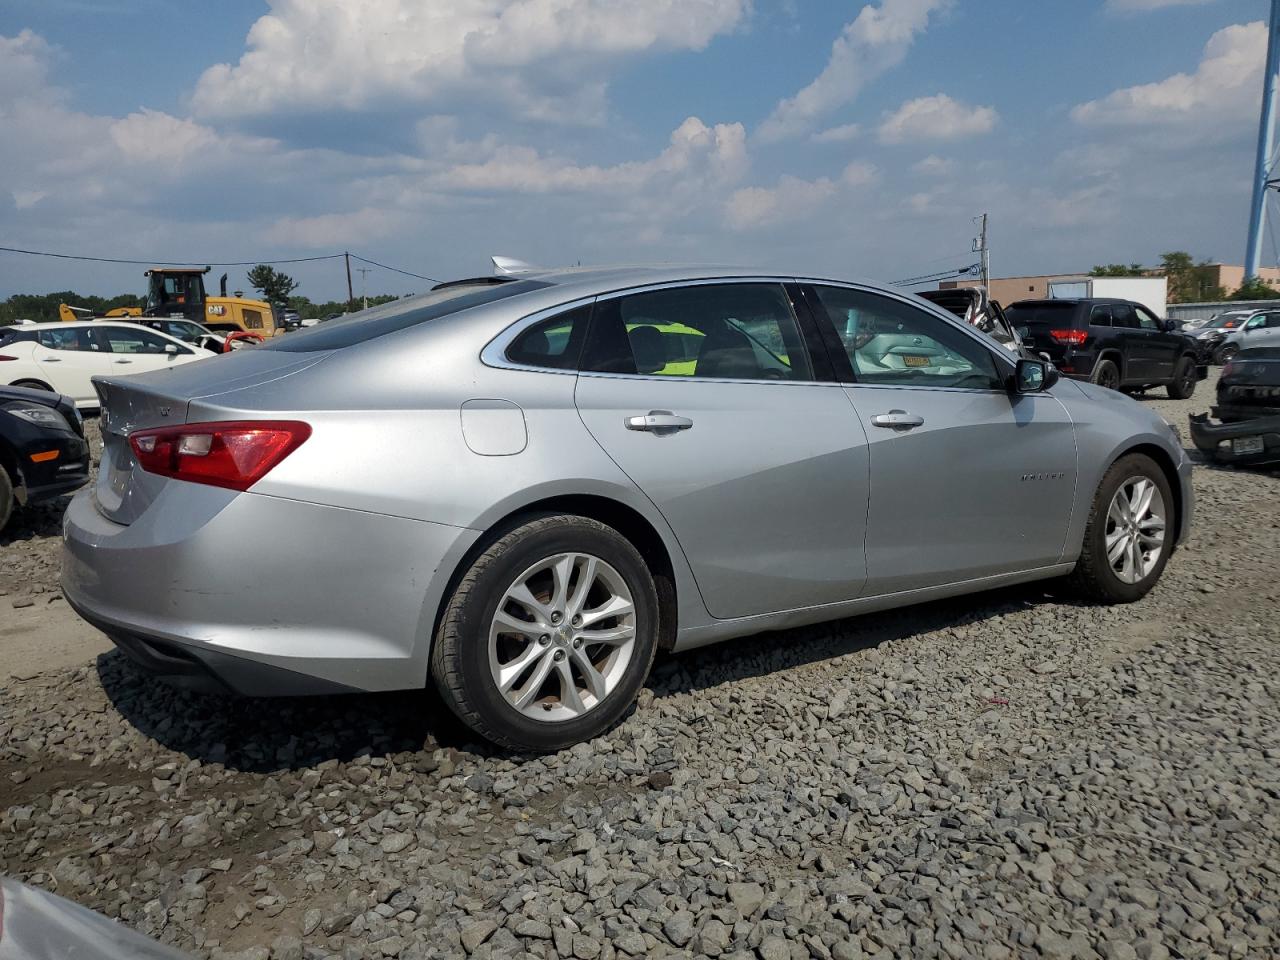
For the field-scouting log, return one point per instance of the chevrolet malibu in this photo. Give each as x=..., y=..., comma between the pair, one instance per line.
x=520, y=487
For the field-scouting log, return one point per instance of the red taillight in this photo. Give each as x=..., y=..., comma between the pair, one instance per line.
x=1073, y=337
x=234, y=454
x=1229, y=368
x=3, y=357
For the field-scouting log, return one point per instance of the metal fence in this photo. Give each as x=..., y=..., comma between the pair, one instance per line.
x=1203, y=311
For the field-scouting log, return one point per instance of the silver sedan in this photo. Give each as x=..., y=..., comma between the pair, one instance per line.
x=521, y=487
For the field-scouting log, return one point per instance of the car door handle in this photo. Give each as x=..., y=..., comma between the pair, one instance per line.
x=657, y=421
x=52, y=360
x=897, y=420
x=122, y=361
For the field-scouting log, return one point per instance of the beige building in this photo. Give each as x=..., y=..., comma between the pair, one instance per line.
x=1009, y=290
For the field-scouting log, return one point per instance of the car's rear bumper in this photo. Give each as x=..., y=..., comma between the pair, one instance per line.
x=262, y=594
x=1215, y=438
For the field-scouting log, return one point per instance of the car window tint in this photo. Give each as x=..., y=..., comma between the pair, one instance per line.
x=132, y=340
x=555, y=343
x=1146, y=319
x=731, y=331
x=1122, y=315
x=378, y=321
x=1273, y=319
x=1101, y=316
x=75, y=338
x=893, y=343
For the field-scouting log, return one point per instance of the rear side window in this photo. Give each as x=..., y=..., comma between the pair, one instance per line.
x=14, y=336
x=1100, y=316
x=731, y=331
x=379, y=321
x=554, y=344
x=75, y=338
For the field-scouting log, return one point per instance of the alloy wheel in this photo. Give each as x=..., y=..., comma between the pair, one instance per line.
x=1135, y=529
x=562, y=637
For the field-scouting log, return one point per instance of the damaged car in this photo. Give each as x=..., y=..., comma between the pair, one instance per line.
x=1244, y=426
x=975, y=307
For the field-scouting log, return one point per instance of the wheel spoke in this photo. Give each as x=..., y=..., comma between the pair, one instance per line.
x=586, y=578
x=504, y=622
x=1117, y=512
x=615, y=606
x=1143, y=492
x=530, y=689
x=1139, y=560
x=612, y=637
x=594, y=678
x=1117, y=543
x=510, y=672
x=569, y=696
x=522, y=595
x=561, y=573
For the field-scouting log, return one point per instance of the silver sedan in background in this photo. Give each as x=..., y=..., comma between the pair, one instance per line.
x=520, y=487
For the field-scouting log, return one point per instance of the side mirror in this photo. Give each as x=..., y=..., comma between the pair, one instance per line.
x=1169, y=326
x=171, y=349
x=1034, y=376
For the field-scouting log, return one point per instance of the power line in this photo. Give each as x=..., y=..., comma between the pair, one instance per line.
x=416, y=276
x=166, y=263
x=944, y=275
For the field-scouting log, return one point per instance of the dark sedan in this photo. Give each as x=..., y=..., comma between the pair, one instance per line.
x=43, y=453
x=1244, y=426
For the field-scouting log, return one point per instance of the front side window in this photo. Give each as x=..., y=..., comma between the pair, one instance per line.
x=730, y=331
x=1122, y=315
x=1256, y=322
x=554, y=344
x=895, y=344
x=1146, y=319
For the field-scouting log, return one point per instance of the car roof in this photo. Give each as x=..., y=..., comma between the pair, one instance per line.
x=599, y=279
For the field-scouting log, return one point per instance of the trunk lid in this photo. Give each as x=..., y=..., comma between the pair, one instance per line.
x=1033, y=321
x=124, y=491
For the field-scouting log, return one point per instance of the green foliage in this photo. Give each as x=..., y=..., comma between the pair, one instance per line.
x=43, y=307
x=1118, y=270
x=274, y=285
x=1255, y=289
x=1190, y=282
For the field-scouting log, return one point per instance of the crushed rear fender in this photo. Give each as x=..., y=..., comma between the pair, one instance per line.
x=1213, y=438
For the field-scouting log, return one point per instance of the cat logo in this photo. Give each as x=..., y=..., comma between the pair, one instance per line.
x=1042, y=476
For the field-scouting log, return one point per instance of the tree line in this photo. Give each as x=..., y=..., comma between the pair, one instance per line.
x=1189, y=281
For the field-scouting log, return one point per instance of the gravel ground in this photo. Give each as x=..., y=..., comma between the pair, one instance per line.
x=1007, y=775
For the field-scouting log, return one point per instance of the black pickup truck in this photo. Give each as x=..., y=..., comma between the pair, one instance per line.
x=1114, y=343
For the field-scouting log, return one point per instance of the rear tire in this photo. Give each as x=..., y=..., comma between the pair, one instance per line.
x=6, y=498
x=1183, y=385
x=1106, y=374
x=514, y=655
x=1118, y=561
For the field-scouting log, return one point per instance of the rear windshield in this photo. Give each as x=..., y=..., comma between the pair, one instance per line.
x=379, y=321
x=1033, y=314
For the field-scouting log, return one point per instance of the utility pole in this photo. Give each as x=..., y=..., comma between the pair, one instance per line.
x=351, y=298
x=364, y=285
x=1266, y=134
x=980, y=246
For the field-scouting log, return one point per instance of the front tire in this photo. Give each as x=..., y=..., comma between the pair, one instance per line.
x=6, y=498
x=1107, y=374
x=549, y=635
x=1226, y=354
x=1129, y=535
x=1183, y=385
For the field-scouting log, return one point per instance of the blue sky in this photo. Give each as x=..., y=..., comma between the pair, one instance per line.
x=847, y=138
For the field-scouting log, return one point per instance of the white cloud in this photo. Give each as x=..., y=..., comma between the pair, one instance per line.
x=718, y=151
x=841, y=134
x=545, y=57
x=934, y=166
x=875, y=41
x=791, y=198
x=1225, y=87
x=330, y=231
x=1142, y=6
x=936, y=118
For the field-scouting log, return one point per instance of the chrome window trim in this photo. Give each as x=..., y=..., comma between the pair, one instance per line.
x=494, y=353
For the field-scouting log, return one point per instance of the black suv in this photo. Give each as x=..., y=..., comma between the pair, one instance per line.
x=1117, y=344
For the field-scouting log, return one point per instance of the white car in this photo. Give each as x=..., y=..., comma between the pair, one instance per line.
x=63, y=357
